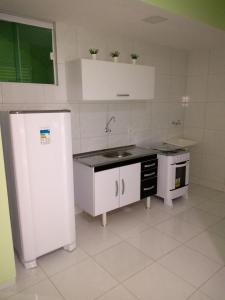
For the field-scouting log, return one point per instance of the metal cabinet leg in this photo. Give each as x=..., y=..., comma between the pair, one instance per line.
x=104, y=219
x=148, y=202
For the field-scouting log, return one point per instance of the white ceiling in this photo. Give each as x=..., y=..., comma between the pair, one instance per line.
x=121, y=17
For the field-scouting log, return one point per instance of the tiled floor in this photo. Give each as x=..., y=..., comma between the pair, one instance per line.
x=158, y=254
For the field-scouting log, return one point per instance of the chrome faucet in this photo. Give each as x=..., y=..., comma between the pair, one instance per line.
x=107, y=128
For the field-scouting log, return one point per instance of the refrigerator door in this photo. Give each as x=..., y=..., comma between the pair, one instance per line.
x=44, y=181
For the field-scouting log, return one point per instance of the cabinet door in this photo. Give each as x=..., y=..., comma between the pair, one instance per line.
x=106, y=191
x=102, y=80
x=130, y=179
x=99, y=80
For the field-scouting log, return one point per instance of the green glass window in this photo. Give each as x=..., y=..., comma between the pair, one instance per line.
x=25, y=52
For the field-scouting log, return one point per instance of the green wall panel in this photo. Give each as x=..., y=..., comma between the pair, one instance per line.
x=206, y=11
x=7, y=264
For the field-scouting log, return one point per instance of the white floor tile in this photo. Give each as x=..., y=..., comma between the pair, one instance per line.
x=190, y=265
x=123, y=260
x=179, y=230
x=24, y=279
x=152, y=216
x=179, y=205
x=60, y=260
x=96, y=239
x=157, y=283
x=153, y=243
x=44, y=290
x=84, y=281
x=214, y=207
x=199, y=296
x=199, y=217
x=210, y=245
x=118, y=293
x=218, y=228
x=215, y=287
x=125, y=224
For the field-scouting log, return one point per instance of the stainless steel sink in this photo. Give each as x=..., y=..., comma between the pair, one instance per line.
x=116, y=154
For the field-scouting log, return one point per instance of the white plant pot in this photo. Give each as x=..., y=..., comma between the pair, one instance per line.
x=94, y=56
x=134, y=61
x=116, y=59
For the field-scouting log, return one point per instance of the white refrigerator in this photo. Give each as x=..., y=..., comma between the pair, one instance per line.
x=39, y=169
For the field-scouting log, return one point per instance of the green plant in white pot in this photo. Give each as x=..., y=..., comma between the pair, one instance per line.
x=134, y=58
x=115, y=54
x=93, y=52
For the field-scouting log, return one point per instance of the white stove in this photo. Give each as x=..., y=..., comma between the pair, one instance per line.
x=173, y=173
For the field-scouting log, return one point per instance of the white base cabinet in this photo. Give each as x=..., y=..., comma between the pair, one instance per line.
x=103, y=80
x=100, y=192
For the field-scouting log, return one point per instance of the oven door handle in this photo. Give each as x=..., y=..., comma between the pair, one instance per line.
x=180, y=166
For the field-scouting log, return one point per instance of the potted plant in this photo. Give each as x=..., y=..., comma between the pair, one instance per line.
x=115, y=54
x=134, y=58
x=93, y=52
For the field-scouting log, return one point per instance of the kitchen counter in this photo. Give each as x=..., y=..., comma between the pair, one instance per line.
x=96, y=158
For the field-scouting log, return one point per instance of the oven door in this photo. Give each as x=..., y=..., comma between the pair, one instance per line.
x=179, y=175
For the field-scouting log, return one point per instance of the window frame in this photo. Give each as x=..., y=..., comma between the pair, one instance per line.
x=37, y=23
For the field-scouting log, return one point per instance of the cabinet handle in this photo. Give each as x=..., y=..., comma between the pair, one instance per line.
x=150, y=188
x=150, y=174
x=123, y=95
x=148, y=166
x=117, y=188
x=123, y=186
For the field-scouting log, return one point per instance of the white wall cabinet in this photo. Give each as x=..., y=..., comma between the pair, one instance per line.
x=100, y=192
x=102, y=80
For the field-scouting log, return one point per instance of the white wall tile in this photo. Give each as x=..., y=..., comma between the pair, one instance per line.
x=140, y=116
x=141, y=138
x=76, y=146
x=90, y=39
x=217, y=61
x=75, y=121
x=93, y=120
x=198, y=62
x=214, y=142
x=215, y=113
x=162, y=87
x=197, y=88
x=160, y=115
x=195, y=134
x=179, y=62
x=66, y=40
x=22, y=93
x=56, y=93
x=178, y=87
x=175, y=113
x=194, y=115
x=95, y=143
x=121, y=111
x=196, y=165
x=117, y=140
x=216, y=87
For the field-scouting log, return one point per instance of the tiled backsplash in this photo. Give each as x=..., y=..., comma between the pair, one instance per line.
x=205, y=116
x=136, y=122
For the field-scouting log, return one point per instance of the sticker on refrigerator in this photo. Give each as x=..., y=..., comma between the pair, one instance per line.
x=45, y=136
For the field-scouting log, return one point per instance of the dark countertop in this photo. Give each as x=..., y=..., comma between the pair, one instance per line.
x=96, y=158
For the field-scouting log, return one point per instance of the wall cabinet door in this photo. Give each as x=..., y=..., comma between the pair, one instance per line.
x=103, y=80
x=130, y=178
x=106, y=191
